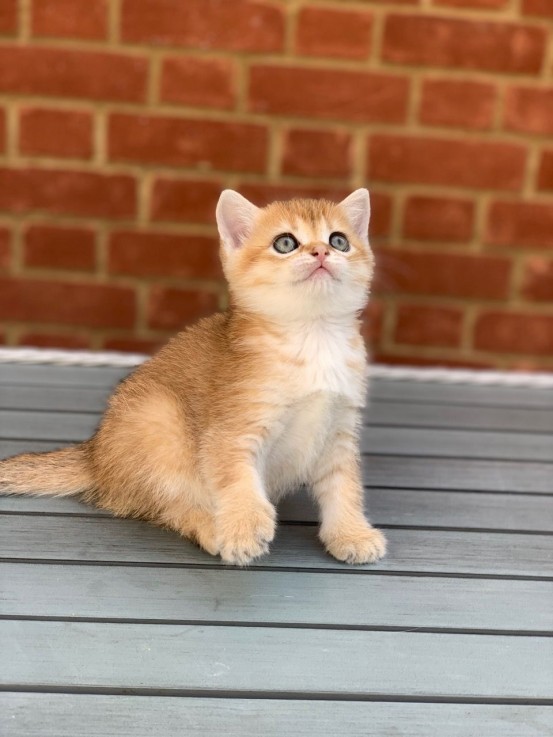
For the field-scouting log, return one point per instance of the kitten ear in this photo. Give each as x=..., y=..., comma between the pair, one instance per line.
x=357, y=207
x=235, y=217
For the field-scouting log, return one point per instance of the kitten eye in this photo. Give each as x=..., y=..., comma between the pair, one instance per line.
x=339, y=242
x=285, y=243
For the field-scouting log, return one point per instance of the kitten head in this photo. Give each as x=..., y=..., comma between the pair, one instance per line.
x=295, y=260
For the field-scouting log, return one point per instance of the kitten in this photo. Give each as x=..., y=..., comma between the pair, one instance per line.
x=244, y=406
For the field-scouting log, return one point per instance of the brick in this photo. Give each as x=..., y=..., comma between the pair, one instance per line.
x=458, y=163
x=372, y=322
x=476, y=4
x=458, y=104
x=58, y=192
x=504, y=332
x=545, y=174
x=333, y=33
x=447, y=275
x=242, y=25
x=91, y=305
x=74, y=74
x=328, y=93
x=5, y=248
x=529, y=110
x=132, y=345
x=465, y=44
x=438, y=219
x=428, y=325
x=311, y=153
x=412, y=359
x=263, y=194
x=540, y=8
x=178, y=142
x=54, y=340
x=201, y=82
x=525, y=224
x=70, y=19
x=153, y=254
x=185, y=200
x=8, y=17
x=171, y=309
x=537, y=282
x=55, y=133
x=2, y=130
x=53, y=247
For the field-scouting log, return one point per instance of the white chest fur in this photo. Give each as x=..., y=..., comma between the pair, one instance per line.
x=326, y=388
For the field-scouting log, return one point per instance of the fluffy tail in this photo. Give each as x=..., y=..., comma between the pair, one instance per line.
x=59, y=473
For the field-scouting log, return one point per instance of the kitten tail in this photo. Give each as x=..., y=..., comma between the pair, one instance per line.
x=59, y=473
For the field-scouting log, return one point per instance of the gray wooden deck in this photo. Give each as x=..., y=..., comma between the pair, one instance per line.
x=113, y=627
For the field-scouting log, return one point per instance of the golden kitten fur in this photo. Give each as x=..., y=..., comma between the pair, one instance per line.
x=245, y=406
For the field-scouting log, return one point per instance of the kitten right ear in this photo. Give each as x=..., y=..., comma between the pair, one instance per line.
x=235, y=217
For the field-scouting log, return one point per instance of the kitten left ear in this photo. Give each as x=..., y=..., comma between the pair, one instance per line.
x=357, y=207
x=235, y=217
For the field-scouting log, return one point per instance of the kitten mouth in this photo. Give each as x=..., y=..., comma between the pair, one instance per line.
x=319, y=272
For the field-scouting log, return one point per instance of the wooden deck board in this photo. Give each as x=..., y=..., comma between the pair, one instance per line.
x=96, y=609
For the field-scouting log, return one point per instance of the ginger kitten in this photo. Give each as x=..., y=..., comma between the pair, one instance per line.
x=244, y=406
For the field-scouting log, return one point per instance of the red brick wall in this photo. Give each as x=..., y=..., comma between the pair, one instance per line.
x=121, y=120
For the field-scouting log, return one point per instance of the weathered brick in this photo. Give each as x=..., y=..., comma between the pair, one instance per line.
x=529, y=110
x=541, y=8
x=132, y=345
x=328, y=93
x=8, y=17
x=185, y=200
x=438, y=219
x=54, y=247
x=68, y=73
x=538, y=279
x=372, y=322
x=54, y=340
x=5, y=248
x=476, y=4
x=414, y=359
x=545, y=174
x=2, y=130
x=457, y=103
x=70, y=19
x=153, y=254
x=202, y=82
x=510, y=332
x=171, y=309
x=312, y=153
x=331, y=32
x=86, y=194
x=241, y=25
x=428, y=325
x=91, y=305
x=178, y=142
x=527, y=224
x=47, y=132
x=438, y=274
x=458, y=163
x=466, y=44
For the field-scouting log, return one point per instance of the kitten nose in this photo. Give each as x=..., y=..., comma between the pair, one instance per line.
x=320, y=252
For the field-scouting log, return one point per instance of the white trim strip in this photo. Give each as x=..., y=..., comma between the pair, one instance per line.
x=397, y=373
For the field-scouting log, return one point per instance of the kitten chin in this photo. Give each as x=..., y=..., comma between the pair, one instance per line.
x=247, y=405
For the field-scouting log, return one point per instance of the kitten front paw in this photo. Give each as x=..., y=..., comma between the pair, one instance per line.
x=366, y=545
x=245, y=535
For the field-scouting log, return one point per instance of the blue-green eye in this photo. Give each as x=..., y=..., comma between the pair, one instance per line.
x=339, y=241
x=285, y=243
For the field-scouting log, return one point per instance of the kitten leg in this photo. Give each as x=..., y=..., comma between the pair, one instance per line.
x=197, y=525
x=345, y=531
x=245, y=519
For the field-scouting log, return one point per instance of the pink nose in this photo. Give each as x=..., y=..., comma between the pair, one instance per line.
x=320, y=252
